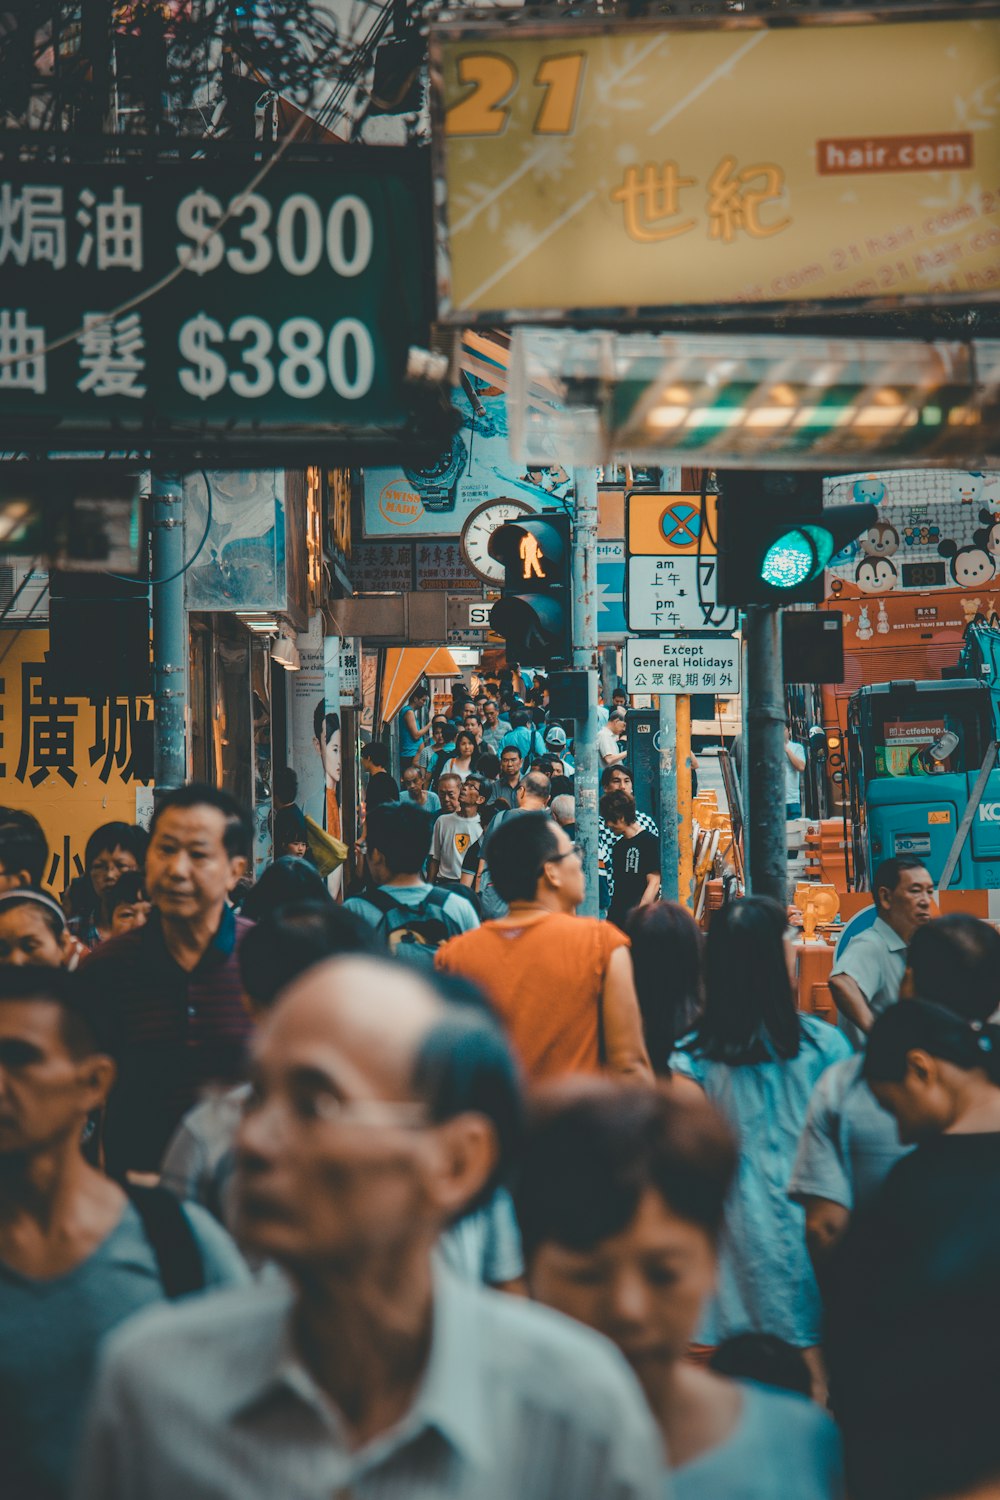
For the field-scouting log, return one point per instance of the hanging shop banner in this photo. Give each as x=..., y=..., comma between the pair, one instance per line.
x=937, y=529
x=187, y=301
x=240, y=517
x=437, y=498
x=72, y=762
x=700, y=164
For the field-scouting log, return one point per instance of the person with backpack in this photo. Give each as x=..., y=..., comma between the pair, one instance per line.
x=412, y=916
x=78, y=1253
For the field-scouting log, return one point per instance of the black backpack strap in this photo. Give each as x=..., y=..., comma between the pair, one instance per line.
x=381, y=900
x=168, y=1230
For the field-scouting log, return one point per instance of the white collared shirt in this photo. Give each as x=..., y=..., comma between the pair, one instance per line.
x=876, y=961
x=209, y=1401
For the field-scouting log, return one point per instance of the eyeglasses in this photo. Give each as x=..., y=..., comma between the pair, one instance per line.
x=555, y=859
x=333, y=1111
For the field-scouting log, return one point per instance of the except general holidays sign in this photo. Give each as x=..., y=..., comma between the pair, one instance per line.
x=683, y=664
x=703, y=163
x=285, y=312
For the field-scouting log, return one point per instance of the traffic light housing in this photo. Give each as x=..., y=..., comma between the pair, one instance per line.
x=776, y=537
x=534, y=614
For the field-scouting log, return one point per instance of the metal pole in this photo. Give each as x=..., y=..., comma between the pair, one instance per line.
x=685, y=831
x=585, y=660
x=170, y=634
x=764, y=756
x=669, y=845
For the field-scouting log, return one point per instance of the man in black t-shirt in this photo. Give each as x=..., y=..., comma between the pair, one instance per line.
x=635, y=858
x=381, y=786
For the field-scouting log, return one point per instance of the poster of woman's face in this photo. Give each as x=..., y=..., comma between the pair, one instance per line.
x=327, y=743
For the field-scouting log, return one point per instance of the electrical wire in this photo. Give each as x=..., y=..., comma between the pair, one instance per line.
x=155, y=583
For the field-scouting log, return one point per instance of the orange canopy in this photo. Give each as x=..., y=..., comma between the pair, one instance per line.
x=404, y=667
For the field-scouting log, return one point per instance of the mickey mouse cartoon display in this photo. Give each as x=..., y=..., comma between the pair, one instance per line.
x=970, y=566
x=989, y=537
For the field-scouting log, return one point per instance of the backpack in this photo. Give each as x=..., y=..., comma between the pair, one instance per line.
x=171, y=1238
x=414, y=933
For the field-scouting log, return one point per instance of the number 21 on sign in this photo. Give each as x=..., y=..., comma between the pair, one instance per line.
x=494, y=82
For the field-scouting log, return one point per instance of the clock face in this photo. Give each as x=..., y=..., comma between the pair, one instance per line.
x=477, y=531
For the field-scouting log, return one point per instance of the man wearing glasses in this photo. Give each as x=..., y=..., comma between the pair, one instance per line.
x=373, y=1371
x=562, y=984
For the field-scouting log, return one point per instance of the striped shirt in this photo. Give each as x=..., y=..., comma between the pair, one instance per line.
x=210, y=1401
x=176, y=1032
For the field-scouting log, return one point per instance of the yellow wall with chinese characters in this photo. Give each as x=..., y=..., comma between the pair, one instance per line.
x=65, y=760
x=656, y=168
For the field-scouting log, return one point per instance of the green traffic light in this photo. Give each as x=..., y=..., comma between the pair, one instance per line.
x=796, y=557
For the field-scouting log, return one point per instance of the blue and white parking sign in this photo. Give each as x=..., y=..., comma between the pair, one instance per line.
x=611, y=624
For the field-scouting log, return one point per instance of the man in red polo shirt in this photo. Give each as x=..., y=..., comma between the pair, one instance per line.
x=172, y=989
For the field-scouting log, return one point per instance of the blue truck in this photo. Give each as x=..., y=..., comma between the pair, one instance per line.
x=921, y=760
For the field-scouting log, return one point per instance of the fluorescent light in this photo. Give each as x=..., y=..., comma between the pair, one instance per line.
x=884, y=416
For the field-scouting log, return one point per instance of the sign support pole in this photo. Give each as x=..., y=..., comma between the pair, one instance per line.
x=766, y=841
x=585, y=659
x=170, y=635
x=685, y=832
x=669, y=846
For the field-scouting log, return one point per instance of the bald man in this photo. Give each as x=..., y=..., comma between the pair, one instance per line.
x=379, y=1113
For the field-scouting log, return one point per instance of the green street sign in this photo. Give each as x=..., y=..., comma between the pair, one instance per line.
x=283, y=321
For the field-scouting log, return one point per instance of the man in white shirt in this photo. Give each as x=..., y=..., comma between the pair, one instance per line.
x=609, y=748
x=866, y=978
x=795, y=764
x=372, y=1371
x=455, y=833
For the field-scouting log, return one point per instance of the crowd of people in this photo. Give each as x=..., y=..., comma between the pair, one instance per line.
x=398, y=1196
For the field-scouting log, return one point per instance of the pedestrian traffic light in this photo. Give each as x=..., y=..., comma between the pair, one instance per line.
x=776, y=537
x=534, y=613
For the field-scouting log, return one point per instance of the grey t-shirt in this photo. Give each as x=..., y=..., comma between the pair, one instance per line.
x=849, y=1143
x=453, y=834
x=50, y=1336
x=784, y=1448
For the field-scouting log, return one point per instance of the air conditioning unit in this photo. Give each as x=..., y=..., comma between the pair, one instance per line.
x=28, y=588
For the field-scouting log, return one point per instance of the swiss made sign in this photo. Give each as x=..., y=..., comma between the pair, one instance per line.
x=286, y=313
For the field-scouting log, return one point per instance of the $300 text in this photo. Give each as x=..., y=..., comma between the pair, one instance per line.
x=306, y=357
x=299, y=234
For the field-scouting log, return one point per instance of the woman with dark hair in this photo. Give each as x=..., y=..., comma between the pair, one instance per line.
x=287, y=879
x=411, y=733
x=621, y=1197
x=912, y=1342
x=667, y=950
x=113, y=850
x=463, y=762
x=758, y=1059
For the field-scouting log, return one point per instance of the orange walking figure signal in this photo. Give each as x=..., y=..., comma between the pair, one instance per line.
x=531, y=556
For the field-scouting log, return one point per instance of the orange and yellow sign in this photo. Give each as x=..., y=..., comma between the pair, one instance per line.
x=673, y=525
x=74, y=763
x=647, y=168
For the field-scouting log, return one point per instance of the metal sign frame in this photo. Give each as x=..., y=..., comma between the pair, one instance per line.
x=875, y=311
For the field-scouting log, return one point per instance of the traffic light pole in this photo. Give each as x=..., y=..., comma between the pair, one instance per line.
x=670, y=854
x=170, y=636
x=764, y=754
x=585, y=659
